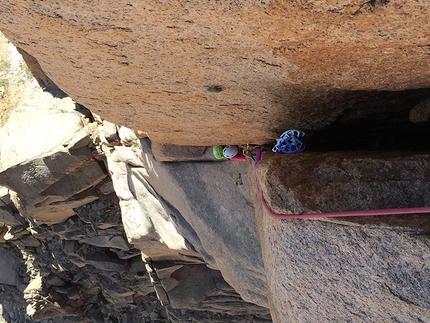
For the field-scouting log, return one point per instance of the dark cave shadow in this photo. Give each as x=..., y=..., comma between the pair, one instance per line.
x=340, y=120
x=335, y=119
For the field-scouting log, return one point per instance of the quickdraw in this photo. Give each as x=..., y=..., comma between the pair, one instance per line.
x=289, y=142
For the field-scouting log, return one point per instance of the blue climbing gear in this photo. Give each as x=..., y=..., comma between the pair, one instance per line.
x=289, y=142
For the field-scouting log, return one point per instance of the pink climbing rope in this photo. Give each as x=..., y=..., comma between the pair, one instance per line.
x=238, y=157
x=269, y=211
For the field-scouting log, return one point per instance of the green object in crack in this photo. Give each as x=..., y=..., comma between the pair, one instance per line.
x=217, y=151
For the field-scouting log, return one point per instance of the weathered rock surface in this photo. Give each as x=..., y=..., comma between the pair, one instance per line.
x=46, y=160
x=146, y=222
x=242, y=64
x=216, y=216
x=40, y=127
x=198, y=73
x=344, y=181
x=180, y=237
x=67, y=279
x=9, y=215
x=169, y=152
x=370, y=269
x=8, y=268
x=82, y=267
x=323, y=272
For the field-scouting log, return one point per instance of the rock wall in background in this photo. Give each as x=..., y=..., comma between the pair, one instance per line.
x=205, y=253
x=45, y=157
x=203, y=73
x=79, y=270
x=193, y=74
x=90, y=256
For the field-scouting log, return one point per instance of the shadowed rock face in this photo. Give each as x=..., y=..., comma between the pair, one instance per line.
x=344, y=181
x=198, y=73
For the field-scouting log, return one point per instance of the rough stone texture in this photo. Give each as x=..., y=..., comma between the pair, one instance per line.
x=269, y=65
x=45, y=125
x=324, y=272
x=46, y=160
x=177, y=252
x=216, y=216
x=9, y=215
x=168, y=152
x=8, y=268
x=65, y=279
x=420, y=113
x=199, y=288
x=79, y=267
x=373, y=270
x=344, y=181
x=197, y=73
x=44, y=81
x=146, y=222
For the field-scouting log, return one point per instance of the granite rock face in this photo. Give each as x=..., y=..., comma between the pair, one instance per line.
x=204, y=254
x=193, y=74
x=344, y=269
x=169, y=152
x=319, y=271
x=198, y=73
x=216, y=215
x=344, y=181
